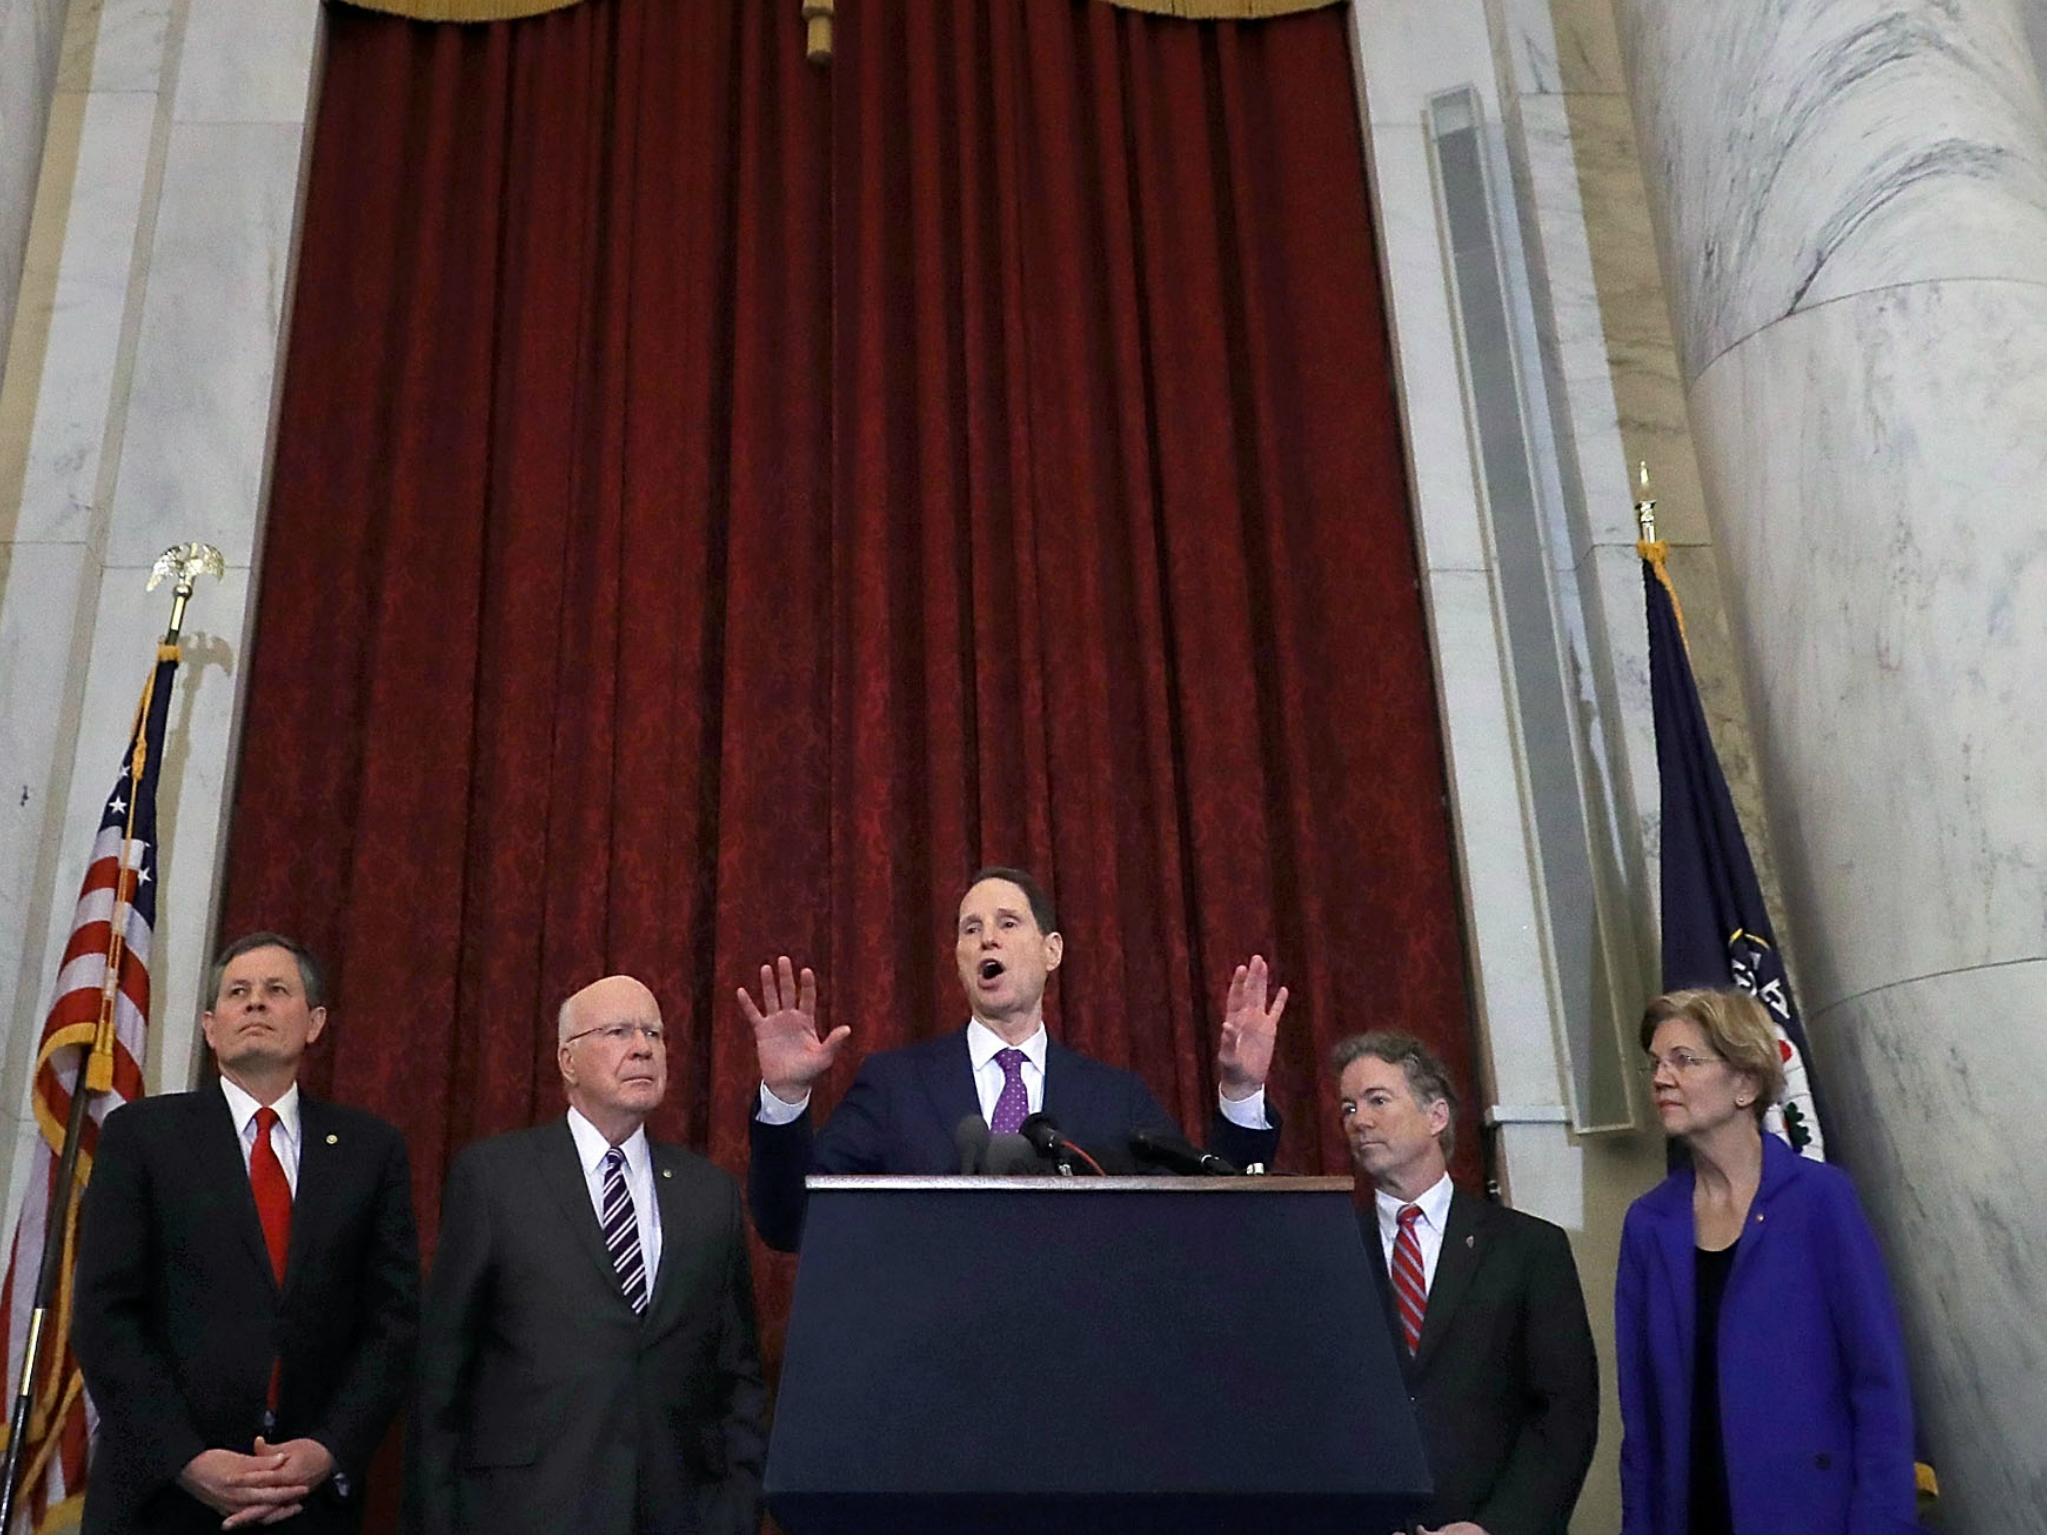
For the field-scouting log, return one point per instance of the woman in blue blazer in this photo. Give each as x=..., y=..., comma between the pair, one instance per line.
x=1762, y=1374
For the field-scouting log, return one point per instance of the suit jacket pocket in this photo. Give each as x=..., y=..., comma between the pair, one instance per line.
x=503, y=1433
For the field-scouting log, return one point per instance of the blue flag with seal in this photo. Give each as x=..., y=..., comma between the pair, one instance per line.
x=1716, y=933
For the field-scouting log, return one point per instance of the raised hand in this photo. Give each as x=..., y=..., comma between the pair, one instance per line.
x=1245, y=1054
x=786, y=1031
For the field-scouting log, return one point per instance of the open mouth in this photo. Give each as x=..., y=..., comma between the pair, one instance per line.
x=990, y=969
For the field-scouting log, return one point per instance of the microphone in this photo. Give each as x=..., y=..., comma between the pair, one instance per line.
x=1011, y=1154
x=971, y=1137
x=1046, y=1138
x=1163, y=1149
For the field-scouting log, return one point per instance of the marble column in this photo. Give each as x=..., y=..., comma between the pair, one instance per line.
x=31, y=32
x=1849, y=205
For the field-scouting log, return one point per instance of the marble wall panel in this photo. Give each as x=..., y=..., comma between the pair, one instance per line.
x=199, y=414
x=79, y=366
x=115, y=45
x=1886, y=454
x=1962, y=1231
x=1601, y=314
x=1504, y=933
x=246, y=61
x=1853, y=145
x=1441, y=455
x=31, y=39
x=1411, y=49
x=1552, y=47
x=46, y=593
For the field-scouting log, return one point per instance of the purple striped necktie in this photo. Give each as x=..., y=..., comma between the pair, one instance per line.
x=622, y=1232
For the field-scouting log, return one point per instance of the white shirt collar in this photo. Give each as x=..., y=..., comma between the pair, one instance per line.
x=591, y=1145
x=243, y=1106
x=1435, y=1202
x=983, y=1043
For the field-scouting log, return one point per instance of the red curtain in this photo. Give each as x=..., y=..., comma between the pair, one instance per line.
x=721, y=502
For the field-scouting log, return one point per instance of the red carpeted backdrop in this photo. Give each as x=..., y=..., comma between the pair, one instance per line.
x=719, y=502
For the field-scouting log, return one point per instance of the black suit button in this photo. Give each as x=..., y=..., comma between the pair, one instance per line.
x=1823, y=1461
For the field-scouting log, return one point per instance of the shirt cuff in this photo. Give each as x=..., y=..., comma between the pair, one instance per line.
x=1249, y=1113
x=774, y=1112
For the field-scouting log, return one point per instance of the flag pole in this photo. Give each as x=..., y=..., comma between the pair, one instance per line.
x=95, y=1075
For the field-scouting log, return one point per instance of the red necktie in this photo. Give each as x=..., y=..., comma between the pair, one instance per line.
x=1411, y=1290
x=273, y=1192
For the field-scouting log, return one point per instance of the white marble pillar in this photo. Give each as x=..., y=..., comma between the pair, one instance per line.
x=1848, y=196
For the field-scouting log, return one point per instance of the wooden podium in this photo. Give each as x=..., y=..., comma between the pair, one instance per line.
x=1089, y=1354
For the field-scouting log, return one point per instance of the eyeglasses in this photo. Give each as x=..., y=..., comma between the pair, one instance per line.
x=621, y=1034
x=1680, y=1062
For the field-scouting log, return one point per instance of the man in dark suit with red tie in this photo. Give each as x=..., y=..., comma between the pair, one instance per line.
x=1484, y=1305
x=247, y=1289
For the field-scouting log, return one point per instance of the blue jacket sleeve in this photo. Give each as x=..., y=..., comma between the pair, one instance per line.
x=1632, y=1379
x=1872, y=1354
x=854, y=1140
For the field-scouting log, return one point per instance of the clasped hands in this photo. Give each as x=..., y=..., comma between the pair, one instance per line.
x=794, y=1055
x=266, y=1486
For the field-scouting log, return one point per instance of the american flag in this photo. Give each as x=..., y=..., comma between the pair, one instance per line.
x=102, y=1003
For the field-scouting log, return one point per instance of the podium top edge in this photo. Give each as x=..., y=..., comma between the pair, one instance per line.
x=1172, y=1184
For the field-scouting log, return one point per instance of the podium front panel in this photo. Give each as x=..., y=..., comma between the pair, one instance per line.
x=1089, y=1354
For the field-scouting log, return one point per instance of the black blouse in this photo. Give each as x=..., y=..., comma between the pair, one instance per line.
x=1709, y=1489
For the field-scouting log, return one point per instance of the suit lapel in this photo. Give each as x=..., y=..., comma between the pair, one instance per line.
x=949, y=1080
x=1466, y=1239
x=316, y=1173
x=668, y=1201
x=219, y=1153
x=1383, y=1286
x=561, y=1172
x=1069, y=1090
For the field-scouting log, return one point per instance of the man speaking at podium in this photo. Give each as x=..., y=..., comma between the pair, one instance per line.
x=901, y=1113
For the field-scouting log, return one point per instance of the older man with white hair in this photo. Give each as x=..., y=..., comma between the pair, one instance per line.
x=587, y=1356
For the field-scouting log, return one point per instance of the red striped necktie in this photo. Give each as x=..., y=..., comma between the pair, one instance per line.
x=1411, y=1290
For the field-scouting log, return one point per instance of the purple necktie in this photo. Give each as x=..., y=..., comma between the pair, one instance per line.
x=1011, y=1103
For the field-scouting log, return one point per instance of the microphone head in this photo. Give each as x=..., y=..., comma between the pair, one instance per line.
x=1012, y=1154
x=1163, y=1149
x=971, y=1137
x=1043, y=1132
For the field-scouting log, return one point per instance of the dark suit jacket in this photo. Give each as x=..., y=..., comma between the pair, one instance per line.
x=1505, y=1385
x=178, y=1315
x=545, y=1404
x=900, y=1114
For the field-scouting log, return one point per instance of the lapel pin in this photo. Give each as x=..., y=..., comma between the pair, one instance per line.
x=1468, y=1239
x=668, y=1173
x=333, y=1140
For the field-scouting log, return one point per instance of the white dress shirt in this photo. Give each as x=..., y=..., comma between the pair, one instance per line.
x=1429, y=1230
x=284, y=1136
x=591, y=1148
x=982, y=1045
